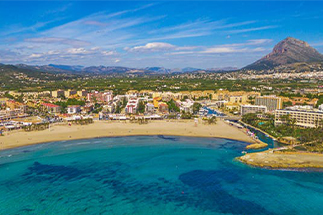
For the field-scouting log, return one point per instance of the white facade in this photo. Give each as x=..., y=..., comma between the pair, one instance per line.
x=304, y=117
x=245, y=109
x=73, y=109
x=132, y=106
x=271, y=102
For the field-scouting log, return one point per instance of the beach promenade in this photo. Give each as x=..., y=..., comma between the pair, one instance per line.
x=115, y=128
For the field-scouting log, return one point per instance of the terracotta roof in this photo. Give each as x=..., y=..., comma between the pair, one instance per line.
x=49, y=105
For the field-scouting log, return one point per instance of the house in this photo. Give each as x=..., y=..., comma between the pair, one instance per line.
x=100, y=97
x=156, y=101
x=17, y=106
x=110, y=108
x=187, y=106
x=51, y=108
x=162, y=107
x=132, y=106
x=82, y=93
x=73, y=109
x=150, y=108
x=88, y=108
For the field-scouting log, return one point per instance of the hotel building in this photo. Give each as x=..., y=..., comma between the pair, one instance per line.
x=304, y=116
x=271, y=102
x=245, y=109
x=58, y=93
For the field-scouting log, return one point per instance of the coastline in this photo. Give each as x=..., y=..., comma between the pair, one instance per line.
x=111, y=129
x=269, y=135
x=283, y=160
x=275, y=159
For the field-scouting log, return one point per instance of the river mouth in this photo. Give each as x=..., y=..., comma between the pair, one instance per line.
x=149, y=175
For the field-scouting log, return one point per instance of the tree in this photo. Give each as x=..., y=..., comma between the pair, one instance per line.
x=184, y=98
x=172, y=107
x=196, y=107
x=141, y=107
x=118, y=108
x=286, y=119
x=287, y=104
x=212, y=120
x=124, y=101
x=186, y=115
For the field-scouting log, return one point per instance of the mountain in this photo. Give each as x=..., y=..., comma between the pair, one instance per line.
x=161, y=70
x=287, y=51
x=44, y=68
x=14, y=73
x=190, y=69
x=67, y=67
x=222, y=69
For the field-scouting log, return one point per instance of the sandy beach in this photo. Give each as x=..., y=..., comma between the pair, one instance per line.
x=283, y=160
x=108, y=129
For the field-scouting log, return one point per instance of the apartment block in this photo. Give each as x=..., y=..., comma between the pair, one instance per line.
x=245, y=109
x=304, y=117
x=271, y=102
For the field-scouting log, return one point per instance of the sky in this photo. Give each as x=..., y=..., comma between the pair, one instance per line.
x=138, y=34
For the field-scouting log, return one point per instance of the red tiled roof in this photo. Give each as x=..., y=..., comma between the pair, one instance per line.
x=49, y=105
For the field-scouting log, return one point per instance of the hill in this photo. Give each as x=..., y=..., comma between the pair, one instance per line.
x=287, y=51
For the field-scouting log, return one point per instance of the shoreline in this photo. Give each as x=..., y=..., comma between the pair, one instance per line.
x=101, y=129
x=271, y=159
x=258, y=129
x=274, y=159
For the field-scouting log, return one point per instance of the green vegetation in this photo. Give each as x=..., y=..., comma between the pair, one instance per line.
x=186, y=116
x=211, y=121
x=172, y=107
x=141, y=107
x=311, y=139
x=7, y=95
x=36, y=127
x=196, y=107
x=70, y=102
x=81, y=121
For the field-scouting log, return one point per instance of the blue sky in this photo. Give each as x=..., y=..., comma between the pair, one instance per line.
x=208, y=34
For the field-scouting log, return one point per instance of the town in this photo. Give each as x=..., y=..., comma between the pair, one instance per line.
x=37, y=110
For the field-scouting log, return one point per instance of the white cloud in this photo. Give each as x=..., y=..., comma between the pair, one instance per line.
x=108, y=53
x=58, y=40
x=35, y=55
x=221, y=50
x=158, y=47
x=77, y=51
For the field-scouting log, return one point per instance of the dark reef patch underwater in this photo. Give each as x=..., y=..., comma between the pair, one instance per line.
x=149, y=175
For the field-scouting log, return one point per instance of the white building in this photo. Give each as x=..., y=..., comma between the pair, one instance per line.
x=73, y=109
x=271, y=102
x=150, y=108
x=245, y=109
x=303, y=116
x=321, y=107
x=187, y=106
x=132, y=106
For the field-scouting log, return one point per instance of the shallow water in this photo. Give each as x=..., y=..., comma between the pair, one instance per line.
x=149, y=175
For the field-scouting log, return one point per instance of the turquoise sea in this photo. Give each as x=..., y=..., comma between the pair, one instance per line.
x=149, y=175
